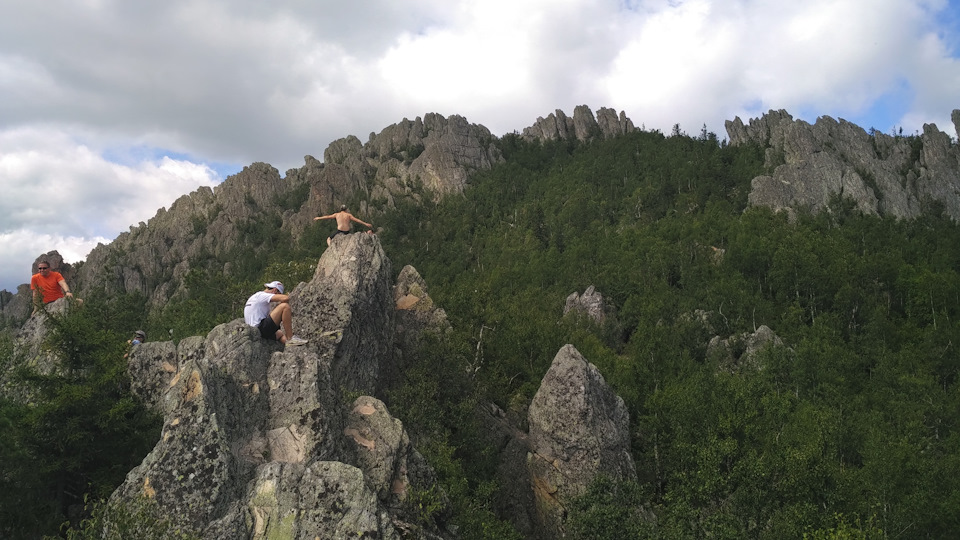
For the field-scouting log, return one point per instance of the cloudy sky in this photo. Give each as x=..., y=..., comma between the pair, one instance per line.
x=111, y=109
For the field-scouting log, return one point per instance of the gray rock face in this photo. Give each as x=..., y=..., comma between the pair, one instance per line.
x=882, y=174
x=578, y=429
x=416, y=314
x=391, y=465
x=452, y=148
x=582, y=127
x=153, y=258
x=257, y=440
x=741, y=351
x=346, y=308
x=152, y=365
x=29, y=349
x=590, y=304
x=434, y=152
x=16, y=307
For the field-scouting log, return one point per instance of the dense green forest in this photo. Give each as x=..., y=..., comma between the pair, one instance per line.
x=851, y=429
x=847, y=431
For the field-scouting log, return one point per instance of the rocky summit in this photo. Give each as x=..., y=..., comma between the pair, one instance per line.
x=265, y=441
x=888, y=175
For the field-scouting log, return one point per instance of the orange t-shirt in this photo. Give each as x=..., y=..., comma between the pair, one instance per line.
x=49, y=286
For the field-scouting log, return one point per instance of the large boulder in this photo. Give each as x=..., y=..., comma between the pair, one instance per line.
x=391, y=466
x=579, y=428
x=742, y=352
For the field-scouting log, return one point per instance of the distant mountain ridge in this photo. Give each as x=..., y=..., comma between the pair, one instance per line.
x=432, y=157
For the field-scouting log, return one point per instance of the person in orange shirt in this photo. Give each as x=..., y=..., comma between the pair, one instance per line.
x=48, y=285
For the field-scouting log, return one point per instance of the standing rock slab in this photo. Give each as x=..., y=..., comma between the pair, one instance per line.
x=579, y=428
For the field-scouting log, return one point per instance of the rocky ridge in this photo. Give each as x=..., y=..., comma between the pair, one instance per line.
x=882, y=174
x=216, y=230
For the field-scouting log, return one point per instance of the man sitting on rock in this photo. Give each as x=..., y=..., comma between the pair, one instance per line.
x=257, y=313
x=343, y=222
x=48, y=285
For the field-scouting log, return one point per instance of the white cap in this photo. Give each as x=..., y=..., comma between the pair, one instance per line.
x=274, y=285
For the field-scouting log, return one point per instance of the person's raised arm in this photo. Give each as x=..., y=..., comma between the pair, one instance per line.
x=331, y=216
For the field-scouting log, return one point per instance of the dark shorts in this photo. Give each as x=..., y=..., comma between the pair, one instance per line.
x=268, y=328
x=338, y=232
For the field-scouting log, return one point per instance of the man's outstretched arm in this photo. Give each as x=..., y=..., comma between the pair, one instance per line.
x=360, y=221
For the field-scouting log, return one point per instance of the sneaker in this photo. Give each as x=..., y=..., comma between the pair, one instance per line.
x=296, y=340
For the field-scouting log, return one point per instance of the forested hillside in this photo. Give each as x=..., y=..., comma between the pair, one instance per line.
x=849, y=430
x=851, y=427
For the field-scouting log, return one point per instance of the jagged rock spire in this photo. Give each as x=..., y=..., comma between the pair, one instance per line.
x=257, y=440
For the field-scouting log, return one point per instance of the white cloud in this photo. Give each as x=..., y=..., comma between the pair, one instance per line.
x=59, y=193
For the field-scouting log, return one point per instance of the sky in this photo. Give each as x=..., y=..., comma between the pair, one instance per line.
x=112, y=109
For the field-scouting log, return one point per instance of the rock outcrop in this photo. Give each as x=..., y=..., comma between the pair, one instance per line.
x=416, y=315
x=590, y=304
x=203, y=230
x=883, y=174
x=579, y=428
x=15, y=308
x=741, y=352
x=405, y=160
x=582, y=127
x=258, y=440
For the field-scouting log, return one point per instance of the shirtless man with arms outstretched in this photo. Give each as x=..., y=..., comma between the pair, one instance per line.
x=343, y=222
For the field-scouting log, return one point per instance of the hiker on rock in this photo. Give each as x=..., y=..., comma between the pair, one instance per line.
x=257, y=313
x=343, y=222
x=48, y=285
x=138, y=337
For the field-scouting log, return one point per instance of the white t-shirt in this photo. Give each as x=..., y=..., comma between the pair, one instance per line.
x=257, y=308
